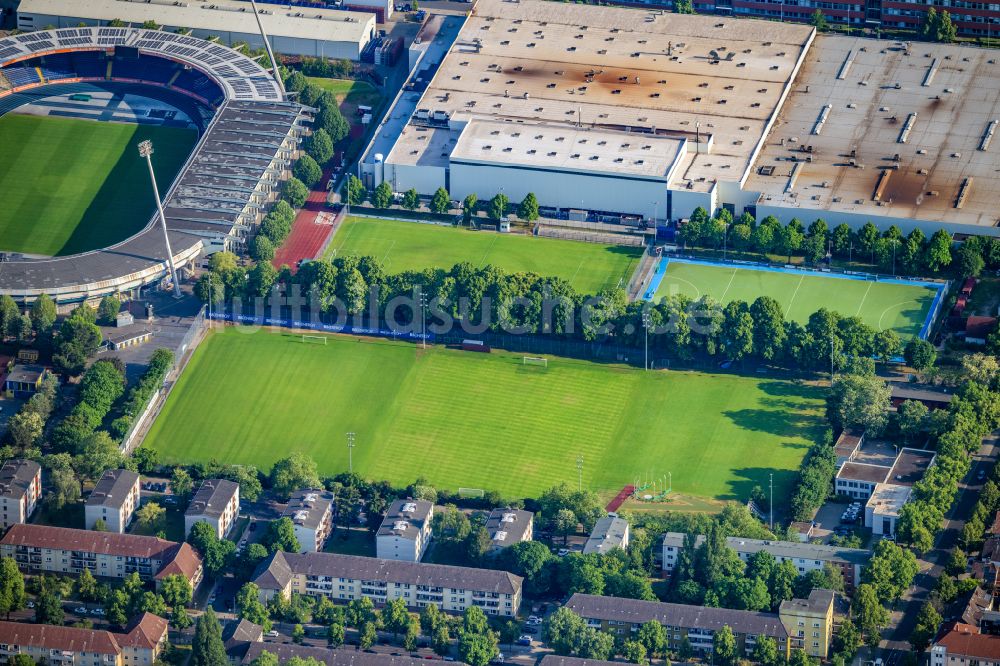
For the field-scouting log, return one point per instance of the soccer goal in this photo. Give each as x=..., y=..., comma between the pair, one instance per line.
x=537, y=361
x=314, y=339
x=471, y=492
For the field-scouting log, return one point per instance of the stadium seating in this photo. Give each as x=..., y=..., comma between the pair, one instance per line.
x=21, y=76
x=90, y=64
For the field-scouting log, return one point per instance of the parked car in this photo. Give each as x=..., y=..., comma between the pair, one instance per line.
x=981, y=475
x=524, y=639
x=80, y=610
x=30, y=604
x=533, y=621
x=563, y=552
x=272, y=634
x=531, y=630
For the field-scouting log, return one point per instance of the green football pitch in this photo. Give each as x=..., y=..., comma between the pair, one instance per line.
x=902, y=307
x=464, y=419
x=70, y=185
x=405, y=246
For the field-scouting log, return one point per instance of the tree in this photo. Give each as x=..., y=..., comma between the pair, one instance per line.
x=98, y=454
x=11, y=587
x=181, y=483
x=295, y=192
x=48, y=608
x=150, y=515
x=469, y=206
x=683, y=7
x=869, y=614
x=308, y=171
x=441, y=639
x=890, y=571
x=382, y=195
x=528, y=209
x=107, y=311
x=957, y=562
x=354, y=191
x=207, y=648
x=561, y=630
x=498, y=206
x=411, y=200
x=214, y=551
x=78, y=339
x=294, y=472
x=818, y=20
x=332, y=120
x=857, y=401
x=25, y=429
x=265, y=659
x=911, y=418
x=441, y=201
x=335, y=635
x=367, y=636
x=867, y=237
x=768, y=328
x=928, y=621
x=970, y=260
x=250, y=608
x=888, y=345
x=724, y=646
x=653, y=637
x=396, y=617
x=565, y=523
x=298, y=633
x=920, y=354
x=43, y=314
x=938, y=252
x=320, y=146
x=634, y=652
x=765, y=652
x=85, y=586
x=281, y=536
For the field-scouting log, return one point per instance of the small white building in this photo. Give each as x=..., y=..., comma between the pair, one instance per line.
x=311, y=512
x=113, y=500
x=406, y=531
x=883, y=507
x=508, y=526
x=20, y=488
x=217, y=503
x=609, y=533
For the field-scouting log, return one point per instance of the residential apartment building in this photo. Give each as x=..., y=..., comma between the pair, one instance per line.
x=809, y=622
x=41, y=548
x=246, y=652
x=509, y=526
x=805, y=556
x=405, y=531
x=20, y=488
x=609, y=532
x=311, y=512
x=217, y=503
x=113, y=500
x=698, y=624
x=141, y=644
x=346, y=577
x=960, y=644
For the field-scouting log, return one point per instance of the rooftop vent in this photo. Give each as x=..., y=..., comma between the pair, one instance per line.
x=409, y=507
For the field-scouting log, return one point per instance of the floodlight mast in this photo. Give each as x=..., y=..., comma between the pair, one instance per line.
x=146, y=150
x=270, y=53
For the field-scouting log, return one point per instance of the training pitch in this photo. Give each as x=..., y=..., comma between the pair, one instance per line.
x=903, y=307
x=71, y=185
x=466, y=419
x=410, y=246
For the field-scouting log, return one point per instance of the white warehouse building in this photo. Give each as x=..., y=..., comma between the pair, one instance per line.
x=639, y=113
x=292, y=30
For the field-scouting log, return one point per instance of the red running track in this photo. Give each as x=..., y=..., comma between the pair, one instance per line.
x=620, y=498
x=310, y=230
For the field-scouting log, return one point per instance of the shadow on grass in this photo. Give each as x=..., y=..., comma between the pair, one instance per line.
x=124, y=204
x=748, y=477
x=780, y=423
x=790, y=389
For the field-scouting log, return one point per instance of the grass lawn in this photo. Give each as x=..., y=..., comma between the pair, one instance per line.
x=404, y=246
x=880, y=304
x=481, y=421
x=71, y=185
x=349, y=91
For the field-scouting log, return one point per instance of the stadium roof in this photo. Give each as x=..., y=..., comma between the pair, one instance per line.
x=620, y=70
x=299, y=22
x=872, y=90
x=239, y=76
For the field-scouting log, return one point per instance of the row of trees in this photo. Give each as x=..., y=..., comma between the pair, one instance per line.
x=889, y=250
x=440, y=203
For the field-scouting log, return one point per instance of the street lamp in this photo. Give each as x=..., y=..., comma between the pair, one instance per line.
x=146, y=150
x=645, y=326
x=350, y=452
x=423, y=320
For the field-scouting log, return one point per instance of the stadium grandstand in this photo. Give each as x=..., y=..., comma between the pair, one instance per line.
x=248, y=138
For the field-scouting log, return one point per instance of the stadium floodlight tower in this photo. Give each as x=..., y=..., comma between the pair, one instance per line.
x=146, y=150
x=270, y=52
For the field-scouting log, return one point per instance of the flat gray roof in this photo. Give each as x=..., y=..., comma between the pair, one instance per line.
x=301, y=22
x=608, y=533
x=872, y=89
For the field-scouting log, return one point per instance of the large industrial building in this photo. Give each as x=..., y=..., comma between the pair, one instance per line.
x=298, y=31
x=626, y=114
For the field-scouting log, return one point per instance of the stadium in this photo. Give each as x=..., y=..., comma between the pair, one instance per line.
x=73, y=104
x=628, y=114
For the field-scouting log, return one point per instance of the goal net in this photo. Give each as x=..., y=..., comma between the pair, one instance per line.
x=536, y=361
x=314, y=339
x=471, y=492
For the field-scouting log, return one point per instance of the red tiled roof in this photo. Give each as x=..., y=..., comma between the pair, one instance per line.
x=979, y=327
x=145, y=632
x=64, y=639
x=184, y=561
x=962, y=642
x=105, y=543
